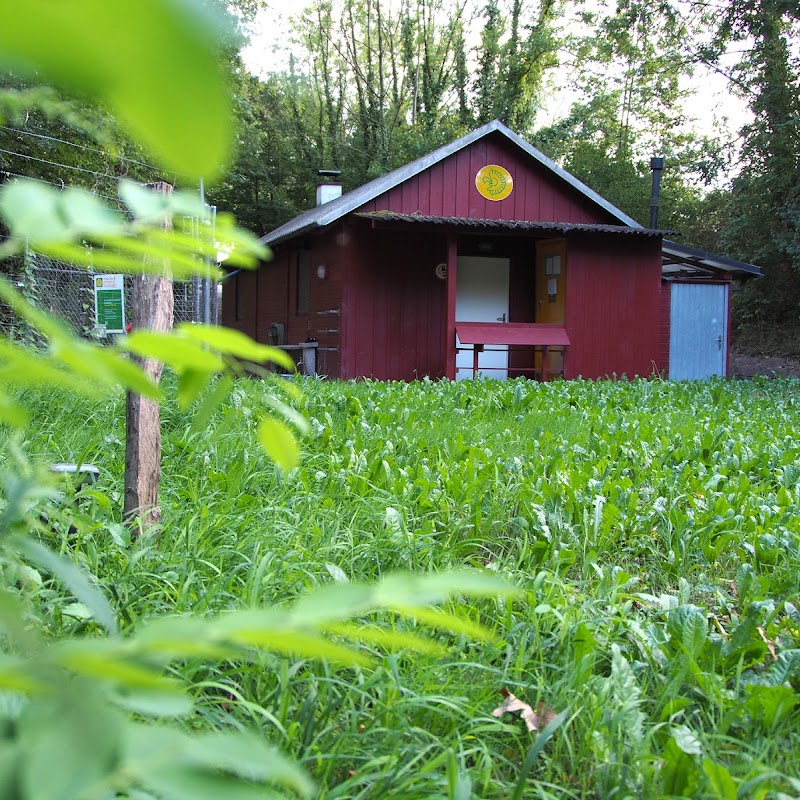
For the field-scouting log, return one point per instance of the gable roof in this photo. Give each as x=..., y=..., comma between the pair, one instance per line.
x=675, y=256
x=321, y=216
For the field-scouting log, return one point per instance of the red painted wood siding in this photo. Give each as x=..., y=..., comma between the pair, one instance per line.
x=613, y=306
x=395, y=306
x=448, y=189
x=271, y=297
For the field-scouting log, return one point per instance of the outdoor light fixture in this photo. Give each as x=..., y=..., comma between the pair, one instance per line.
x=485, y=246
x=322, y=272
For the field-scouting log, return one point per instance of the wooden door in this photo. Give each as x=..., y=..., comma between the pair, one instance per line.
x=550, y=293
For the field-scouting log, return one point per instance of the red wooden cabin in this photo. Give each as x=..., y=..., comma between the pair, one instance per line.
x=483, y=254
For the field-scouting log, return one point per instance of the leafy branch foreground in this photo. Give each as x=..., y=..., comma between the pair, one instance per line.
x=652, y=528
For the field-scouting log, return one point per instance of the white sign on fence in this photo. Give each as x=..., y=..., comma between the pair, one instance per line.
x=109, y=304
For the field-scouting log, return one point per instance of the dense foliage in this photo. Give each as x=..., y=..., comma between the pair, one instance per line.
x=652, y=528
x=370, y=85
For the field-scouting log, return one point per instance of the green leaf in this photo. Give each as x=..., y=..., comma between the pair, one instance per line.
x=242, y=245
x=101, y=364
x=112, y=365
x=279, y=443
x=191, y=383
x=169, y=638
x=99, y=660
x=157, y=72
x=9, y=761
x=69, y=744
x=175, y=782
x=76, y=611
x=173, y=350
x=16, y=675
x=11, y=412
x=77, y=581
x=235, y=343
x=248, y=757
x=441, y=620
x=770, y=704
x=337, y=573
x=140, y=253
x=129, y=257
x=18, y=634
x=687, y=740
x=42, y=214
x=688, y=625
x=263, y=631
x=722, y=783
x=422, y=590
x=155, y=703
x=785, y=668
x=216, y=397
x=51, y=327
x=676, y=771
x=289, y=414
x=30, y=209
x=389, y=639
x=402, y=590
x=333, y=602
x=147, y=205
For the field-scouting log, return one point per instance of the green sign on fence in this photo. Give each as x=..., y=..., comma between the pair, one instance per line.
x=109, y=304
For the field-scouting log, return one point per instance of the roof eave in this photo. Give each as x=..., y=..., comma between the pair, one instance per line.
x=702, y=259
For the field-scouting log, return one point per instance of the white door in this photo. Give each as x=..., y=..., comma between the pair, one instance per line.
x=698, y=333
x=482, y=296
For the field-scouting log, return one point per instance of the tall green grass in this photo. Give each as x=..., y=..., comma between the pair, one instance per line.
x=652, y=526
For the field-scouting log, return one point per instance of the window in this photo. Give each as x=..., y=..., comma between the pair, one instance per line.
x=303, y=281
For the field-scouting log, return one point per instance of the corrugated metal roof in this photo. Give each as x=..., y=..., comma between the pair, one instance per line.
x=681, y=255
x=510, y=224
x=324, y=215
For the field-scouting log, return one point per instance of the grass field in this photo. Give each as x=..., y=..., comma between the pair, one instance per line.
x=652, y=529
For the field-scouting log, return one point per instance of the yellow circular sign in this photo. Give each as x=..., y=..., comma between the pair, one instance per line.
x=494, y=182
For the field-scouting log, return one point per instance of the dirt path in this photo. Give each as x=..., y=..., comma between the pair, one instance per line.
x=743, y=366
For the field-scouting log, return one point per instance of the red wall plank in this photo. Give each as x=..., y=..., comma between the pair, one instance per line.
x=272, y=298
x=613, y=306
x=448, y=189
x=399, y=307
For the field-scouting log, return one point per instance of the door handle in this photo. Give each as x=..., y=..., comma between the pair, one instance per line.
x=502, y=319
x=719, y=342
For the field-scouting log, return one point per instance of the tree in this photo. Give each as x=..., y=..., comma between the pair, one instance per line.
x=764, y=210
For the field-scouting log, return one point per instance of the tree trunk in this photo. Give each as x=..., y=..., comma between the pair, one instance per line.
x=152, y=302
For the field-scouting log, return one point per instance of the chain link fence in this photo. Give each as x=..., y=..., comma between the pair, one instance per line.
x=67, y=292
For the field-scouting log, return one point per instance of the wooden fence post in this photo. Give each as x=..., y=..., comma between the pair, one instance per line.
x=152, y=307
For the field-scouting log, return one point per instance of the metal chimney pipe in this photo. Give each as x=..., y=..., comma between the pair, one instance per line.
x=657, y=166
